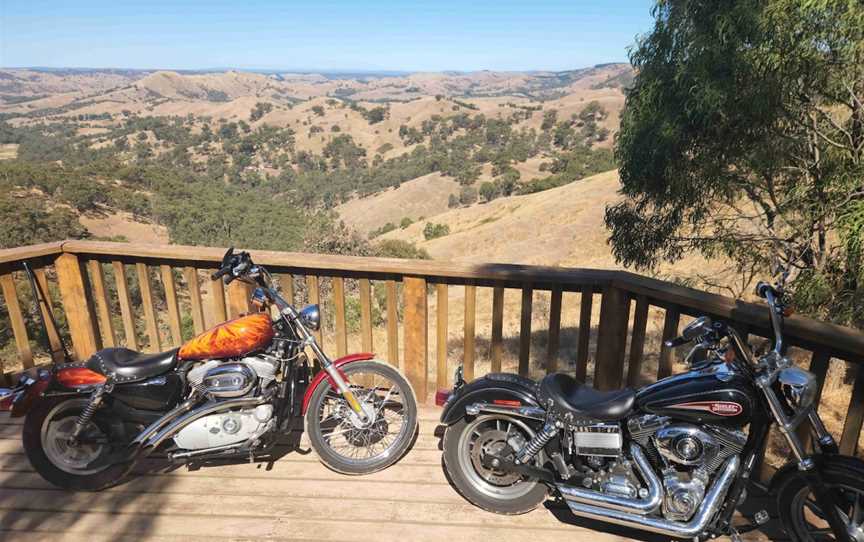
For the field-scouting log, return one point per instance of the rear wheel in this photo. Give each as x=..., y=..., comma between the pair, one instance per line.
x=47, y=429
x=467, y=446
x=342, y=441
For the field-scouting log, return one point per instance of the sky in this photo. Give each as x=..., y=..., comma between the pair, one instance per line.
x=322, y=35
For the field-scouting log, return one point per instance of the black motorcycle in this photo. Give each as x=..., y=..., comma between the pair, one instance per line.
x=674, y=457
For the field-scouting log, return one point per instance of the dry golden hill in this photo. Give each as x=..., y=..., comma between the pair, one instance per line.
x=562, y=226
x=424, y=196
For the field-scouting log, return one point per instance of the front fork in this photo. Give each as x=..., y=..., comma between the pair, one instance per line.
x=789, y=426
x=338, y=378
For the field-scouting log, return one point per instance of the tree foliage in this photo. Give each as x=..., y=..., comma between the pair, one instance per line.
x=744, y=131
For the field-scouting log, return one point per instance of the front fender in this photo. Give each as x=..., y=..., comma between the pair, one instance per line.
x=345, y=360
x=492, y=387
x=823, y=462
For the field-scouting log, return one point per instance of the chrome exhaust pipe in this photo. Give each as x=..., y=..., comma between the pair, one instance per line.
x=641, y=506
x=697, y=524
x=212, y=407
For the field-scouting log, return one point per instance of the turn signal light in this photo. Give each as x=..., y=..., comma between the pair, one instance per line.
x=79, y=376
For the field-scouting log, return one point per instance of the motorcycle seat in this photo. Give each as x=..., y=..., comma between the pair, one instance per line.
x=570, y=395
x=124, y=365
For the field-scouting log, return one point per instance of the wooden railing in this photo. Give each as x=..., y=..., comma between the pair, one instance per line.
x=616, y=348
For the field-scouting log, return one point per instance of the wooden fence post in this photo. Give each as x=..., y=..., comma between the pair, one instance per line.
x=611, y=339
x=415, y=330
x=238, y=298
x=78, y=311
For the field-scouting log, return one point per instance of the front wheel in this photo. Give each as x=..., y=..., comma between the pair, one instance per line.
x=802, y=516
x=346, y=444
x=468, y=446
x=47, y=429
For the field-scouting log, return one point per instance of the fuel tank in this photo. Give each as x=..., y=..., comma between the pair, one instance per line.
x=717, y=395
x=230, y=339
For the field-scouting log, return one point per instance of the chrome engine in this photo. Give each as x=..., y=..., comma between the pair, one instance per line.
x=220, y=379
x=688, y=456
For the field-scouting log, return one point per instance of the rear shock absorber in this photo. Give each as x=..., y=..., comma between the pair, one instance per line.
x=86, y=415
x=537, y=443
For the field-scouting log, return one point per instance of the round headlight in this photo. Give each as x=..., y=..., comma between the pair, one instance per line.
x=798, y=386
x=311, y=317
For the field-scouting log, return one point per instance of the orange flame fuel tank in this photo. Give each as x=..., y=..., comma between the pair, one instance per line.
x=230, y=339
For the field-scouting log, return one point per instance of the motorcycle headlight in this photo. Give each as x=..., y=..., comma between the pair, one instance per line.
x=311, y=317
x=798, y=386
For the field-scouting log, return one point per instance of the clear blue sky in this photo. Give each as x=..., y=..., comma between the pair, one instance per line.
x=320, y=35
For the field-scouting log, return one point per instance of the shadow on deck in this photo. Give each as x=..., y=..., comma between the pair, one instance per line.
x=297, y=499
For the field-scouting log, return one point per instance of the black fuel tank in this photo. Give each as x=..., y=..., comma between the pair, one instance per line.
x=716, y=395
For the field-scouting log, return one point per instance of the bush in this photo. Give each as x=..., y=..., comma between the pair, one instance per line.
x=405, y=222
x=467, y=195
x=434, y=231
x=388, y=227
x=397, y=248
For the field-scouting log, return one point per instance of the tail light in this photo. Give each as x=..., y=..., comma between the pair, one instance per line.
x=441, y=397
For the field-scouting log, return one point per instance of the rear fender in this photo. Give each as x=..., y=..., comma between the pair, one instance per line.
x=505, y=389
x=31, y=386
x=338, y=363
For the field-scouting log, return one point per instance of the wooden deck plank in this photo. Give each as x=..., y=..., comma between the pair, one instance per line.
x=299, y=499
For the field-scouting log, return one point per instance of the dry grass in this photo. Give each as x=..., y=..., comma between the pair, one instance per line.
x=9, y=151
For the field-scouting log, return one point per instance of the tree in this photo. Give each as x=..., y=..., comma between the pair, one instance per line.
x=744, y=131
x=488, y=191
x=467, y=195
x=433, y=231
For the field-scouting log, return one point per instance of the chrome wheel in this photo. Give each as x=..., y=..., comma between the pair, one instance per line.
x=490, y=436
x=390, y=421
x=56, y=432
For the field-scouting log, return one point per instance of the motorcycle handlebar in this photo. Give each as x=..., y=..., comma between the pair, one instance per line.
x=677, y=341
x=218, y=274
x=763, y=289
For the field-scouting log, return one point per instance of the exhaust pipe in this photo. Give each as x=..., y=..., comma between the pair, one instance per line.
x=697, y=525
x=152, y=441
x=641, y=506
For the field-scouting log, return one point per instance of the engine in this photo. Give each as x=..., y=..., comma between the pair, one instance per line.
x=221, y=379
x=225, y=380
x=687, y=455
x=224, y=429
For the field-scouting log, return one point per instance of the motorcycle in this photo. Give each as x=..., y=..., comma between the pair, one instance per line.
x=238, y=392
x=671, y=458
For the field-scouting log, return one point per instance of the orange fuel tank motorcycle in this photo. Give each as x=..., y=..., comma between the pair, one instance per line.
x=232, y=393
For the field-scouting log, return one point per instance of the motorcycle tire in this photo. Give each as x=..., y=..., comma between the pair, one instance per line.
x=64, y=476
x=352, y=466
x=479, y=492
x=845, y=476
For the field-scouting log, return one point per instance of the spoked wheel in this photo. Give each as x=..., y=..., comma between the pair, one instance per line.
x=471, y=447
x=803, y=516
x=349, y=445
x=47, y=430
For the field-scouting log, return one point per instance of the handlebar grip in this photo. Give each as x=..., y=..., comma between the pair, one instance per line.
x=763, y=288
x=677, y=341
x=218, y=274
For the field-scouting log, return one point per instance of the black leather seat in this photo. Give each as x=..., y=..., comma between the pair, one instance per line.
x=570, y=395
x=125, y=365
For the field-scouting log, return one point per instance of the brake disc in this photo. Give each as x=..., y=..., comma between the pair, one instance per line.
x=493, y=443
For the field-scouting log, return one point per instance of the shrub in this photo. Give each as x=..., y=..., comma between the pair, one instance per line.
x=434, y=231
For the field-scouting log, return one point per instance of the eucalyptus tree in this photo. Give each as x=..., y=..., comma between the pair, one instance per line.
x=743, y=131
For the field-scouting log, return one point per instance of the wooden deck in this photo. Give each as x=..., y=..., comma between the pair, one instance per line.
x=299, y=499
